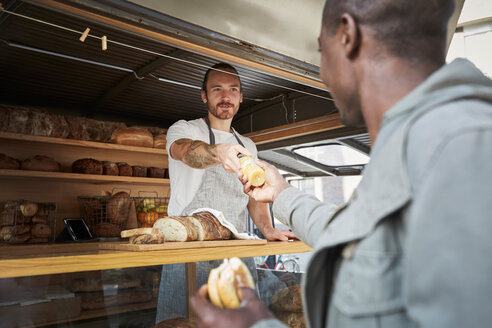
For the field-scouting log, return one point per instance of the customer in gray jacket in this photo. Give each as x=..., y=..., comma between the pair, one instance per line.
x=412, y=248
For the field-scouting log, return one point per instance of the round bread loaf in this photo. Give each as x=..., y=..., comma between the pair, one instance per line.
x=139, y=171
x=41, y=230
x=155, y=172
x=132, y=137
x=87, y=166
x=125, y=169
x=110, y=168
x=160, y=141
x=9, y=163
x=41, y=163
x=118, y=208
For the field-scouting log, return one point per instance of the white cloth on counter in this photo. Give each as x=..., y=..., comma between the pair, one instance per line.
x=225, y=223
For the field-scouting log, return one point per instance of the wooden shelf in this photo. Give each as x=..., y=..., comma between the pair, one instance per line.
x=76, y=177
x=90, y=314
x=80, y=143
x=19, y=261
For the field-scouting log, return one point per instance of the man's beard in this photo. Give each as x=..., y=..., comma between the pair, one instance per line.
x=223, y=115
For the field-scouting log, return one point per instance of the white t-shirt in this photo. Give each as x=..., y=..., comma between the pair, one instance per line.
x=186, y=180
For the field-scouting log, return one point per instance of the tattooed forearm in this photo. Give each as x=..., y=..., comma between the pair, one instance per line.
x=200, y=155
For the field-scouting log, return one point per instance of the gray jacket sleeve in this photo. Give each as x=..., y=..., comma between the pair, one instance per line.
x=305, y=214
x=448, y=247
x=269, y=323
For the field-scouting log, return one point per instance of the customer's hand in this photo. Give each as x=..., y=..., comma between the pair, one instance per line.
x=274, y=184
x=251, y=311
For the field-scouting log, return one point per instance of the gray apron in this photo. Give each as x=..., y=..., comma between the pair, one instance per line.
x=220, y=190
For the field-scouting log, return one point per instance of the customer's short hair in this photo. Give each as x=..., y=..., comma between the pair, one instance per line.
x=222, y=67
x=412, y=29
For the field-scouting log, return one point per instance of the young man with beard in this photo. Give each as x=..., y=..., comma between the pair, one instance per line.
x=203, y=161
x=412, y=246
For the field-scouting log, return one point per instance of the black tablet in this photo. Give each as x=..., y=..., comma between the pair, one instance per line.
x=78, y=229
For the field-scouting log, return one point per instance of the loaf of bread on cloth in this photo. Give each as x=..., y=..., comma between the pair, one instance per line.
x=199, y=226
x=224, y=281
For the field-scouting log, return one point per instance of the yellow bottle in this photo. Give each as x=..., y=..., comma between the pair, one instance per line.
x=256, y=175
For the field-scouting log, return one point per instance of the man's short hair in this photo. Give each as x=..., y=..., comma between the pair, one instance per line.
x=222, y=67
x=411, y=29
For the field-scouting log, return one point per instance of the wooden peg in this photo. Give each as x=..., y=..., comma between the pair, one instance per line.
x=104, y=40
x=85, y=34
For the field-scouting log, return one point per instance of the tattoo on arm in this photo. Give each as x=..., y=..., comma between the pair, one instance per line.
x=200, y=155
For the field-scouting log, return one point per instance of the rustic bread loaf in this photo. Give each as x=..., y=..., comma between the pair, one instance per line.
x=125, y=169
x=118, y=207
x=4, y=117
x=40, y=230
x=6, y=232
x=8, y=214
x=176, y=228
x=288, y=299
x=20, y=238
x=154, y=238
x=138, y=232
x=41, y=163
x=224, y=232
x=160, y=141
x=206, y=228
x=87, y=166
x=28, y=208
x=19, y=121
x=9, y=163
x=110, y=168
x=132, y=137
x=77, y=128
x=21, y=229
x=40, y=219
x=139, y=171
x=155, y=172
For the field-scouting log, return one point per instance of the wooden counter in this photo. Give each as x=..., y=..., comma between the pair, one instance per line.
x=34, y=260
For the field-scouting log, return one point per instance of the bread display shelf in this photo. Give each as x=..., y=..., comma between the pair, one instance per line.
x=80, y=143
x=181, y=245
x=25, y=261
x=76, y=177
x=90, y=314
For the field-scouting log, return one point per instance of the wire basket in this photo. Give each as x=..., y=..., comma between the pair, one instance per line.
x=23, y=221
x=106, y=216
x=150, y=208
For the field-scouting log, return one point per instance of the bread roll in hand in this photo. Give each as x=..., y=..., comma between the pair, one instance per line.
x=224, y=281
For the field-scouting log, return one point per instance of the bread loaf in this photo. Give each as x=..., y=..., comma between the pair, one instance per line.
x=110, y=168
x=4, y=117
x=125, y=169
x=28, y=208
x=291, y=319
x=155, y=172
x=92, y=209
x=77, y=128
x=40, y=230
x=41, y=163
x=87, y=166
x=6, y=233
x=137, y=232
x=154, y=238
x=8, y=214
x=288, y=299
x=20, y=238
x=176, y=228
x=160, y=141
x=9, y=163
x=206, y=228
x=118, y=208
x=224, y=232
x=139, y=171
x=132, y=137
